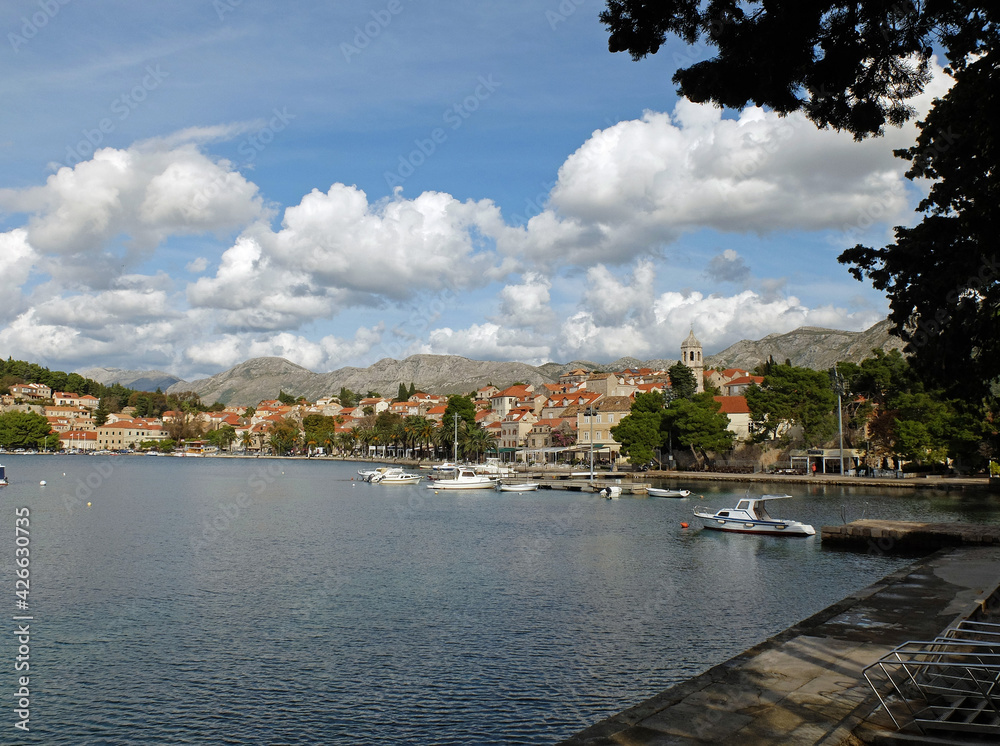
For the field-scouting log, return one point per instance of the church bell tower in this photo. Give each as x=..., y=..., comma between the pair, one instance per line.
x=691, y=357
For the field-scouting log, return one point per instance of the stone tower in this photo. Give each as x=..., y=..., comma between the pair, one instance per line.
x=691, y=357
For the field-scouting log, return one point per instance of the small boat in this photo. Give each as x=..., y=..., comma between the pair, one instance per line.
x=610, y=493
x=750, y=516
x=659, y=492
x=394, y=475
x=520, y=487
x=3, y=476
x=367, y=474
x=465, y=479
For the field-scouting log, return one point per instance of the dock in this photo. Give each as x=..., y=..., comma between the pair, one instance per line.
x=579, y=483
x=908, y=536
x=805, y=685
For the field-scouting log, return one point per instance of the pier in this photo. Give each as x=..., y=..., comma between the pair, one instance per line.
x=908, y=536
x=805, y=685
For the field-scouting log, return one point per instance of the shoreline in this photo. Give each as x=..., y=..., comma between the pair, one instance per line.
x=909, y=482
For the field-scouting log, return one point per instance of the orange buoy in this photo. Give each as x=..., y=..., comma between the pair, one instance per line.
x=684, y=525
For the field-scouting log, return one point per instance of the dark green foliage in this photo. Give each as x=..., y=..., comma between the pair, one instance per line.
x=643, y=431
x=792, y=396
x=464, y=407
x=26, y=430
x=682, y=381
x=222, y=437
x=697, y=423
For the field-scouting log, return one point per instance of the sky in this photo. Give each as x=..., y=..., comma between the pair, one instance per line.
x=187, y=185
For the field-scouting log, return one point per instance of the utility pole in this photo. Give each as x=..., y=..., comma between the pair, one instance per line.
x=454, y=457
x=838, y=385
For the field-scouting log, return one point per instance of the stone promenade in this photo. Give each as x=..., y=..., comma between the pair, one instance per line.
x=804, y=685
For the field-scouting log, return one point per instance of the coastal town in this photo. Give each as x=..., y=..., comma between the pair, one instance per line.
x=776, y=419
x=538, y=422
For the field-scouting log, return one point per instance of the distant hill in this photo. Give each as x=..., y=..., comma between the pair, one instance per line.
x=139, y=380
x=263, y=378
x=808, y=347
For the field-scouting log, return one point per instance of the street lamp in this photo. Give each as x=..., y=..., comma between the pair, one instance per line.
x=454, y=458
x=589, y=411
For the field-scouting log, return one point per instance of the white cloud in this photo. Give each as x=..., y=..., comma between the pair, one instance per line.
x=486, y=341
x=144, y=193
x=641, y=184
x=526, y=305
x=17, y=259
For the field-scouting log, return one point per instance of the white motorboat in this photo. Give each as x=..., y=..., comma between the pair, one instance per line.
x=394, y=475
x=610, y=493
x=494, y=468
x=367, y=474
x=659, y=492
x=520, y=487
x=750, y=516
x=465, y=479
x=3, y=476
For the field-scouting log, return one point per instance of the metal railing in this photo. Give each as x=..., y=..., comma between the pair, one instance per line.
x=950, y=683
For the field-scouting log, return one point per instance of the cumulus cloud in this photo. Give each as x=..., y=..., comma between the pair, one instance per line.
x=487, y=341
x=144, y=193
x=526, y=305
x=638, y=185
x=328, y=353
x=17, y=259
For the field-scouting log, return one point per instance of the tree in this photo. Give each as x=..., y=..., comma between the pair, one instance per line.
x=643, y=430
x=26, y=430
x=283, y=435
x=222, y=437
x=793, y=396
x=698, y=424
x=319, y=428
x=284, y=398
x=682, y=381
x=855, y=66
x=463, y=406
x=401, y=395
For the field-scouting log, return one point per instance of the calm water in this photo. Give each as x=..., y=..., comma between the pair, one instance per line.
x=279, y=602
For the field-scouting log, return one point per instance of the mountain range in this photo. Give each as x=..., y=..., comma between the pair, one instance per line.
x=263, y=378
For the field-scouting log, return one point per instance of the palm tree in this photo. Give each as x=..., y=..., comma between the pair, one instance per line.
x=346, y=441
x=246, y=440
x=480, y=441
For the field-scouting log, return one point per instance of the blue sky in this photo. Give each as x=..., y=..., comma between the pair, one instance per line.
x=186, y=185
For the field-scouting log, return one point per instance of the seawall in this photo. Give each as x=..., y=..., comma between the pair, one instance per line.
x=805, y=685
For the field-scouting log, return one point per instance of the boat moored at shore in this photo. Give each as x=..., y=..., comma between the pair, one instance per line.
x=660, y=492
x=465, y=478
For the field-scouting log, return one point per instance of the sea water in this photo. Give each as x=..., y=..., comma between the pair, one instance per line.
x=267, y=601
